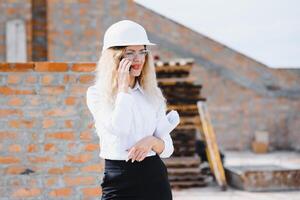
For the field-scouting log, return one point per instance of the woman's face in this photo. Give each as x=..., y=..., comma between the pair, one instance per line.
x=137, y=54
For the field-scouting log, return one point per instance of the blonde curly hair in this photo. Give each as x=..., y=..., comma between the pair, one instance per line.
x=106, y=78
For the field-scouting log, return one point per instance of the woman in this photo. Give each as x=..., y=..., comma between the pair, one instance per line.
x=129, y=111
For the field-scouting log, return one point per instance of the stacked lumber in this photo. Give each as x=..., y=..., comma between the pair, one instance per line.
x=182, y=94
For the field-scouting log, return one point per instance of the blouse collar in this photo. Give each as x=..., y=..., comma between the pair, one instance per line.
x=137, y=86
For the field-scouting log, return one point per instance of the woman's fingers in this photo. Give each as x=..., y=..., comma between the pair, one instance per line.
x=128, y=64
x=131, y=153
x=121, y=65
x=123, y=73
x=135, y=155
x=139, y=155
x=144, y=154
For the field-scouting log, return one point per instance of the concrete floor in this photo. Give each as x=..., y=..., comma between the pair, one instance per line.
x=283, y=158
x=288, y=159
x=214, y=193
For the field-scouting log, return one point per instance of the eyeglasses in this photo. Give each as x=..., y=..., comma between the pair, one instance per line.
x=139, y=54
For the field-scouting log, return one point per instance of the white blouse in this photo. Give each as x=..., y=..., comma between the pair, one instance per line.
x=132, y=119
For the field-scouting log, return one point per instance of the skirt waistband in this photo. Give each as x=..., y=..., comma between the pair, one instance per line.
x=122, y=164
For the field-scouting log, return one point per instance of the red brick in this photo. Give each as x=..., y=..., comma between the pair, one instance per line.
x=51, y=67
x=31, y=79
x=4, y=67
x=11, y=11
x=89, y=33
x=91, y=147
x=16, y=67
x=86, y=78
x=57, y=112
x=21, y=123
x=86, y=135
x=47, y=123
x=32, y=148
x=26, y=192
x=51, y=181
x=68, y=32
x=50, y=147
x=15, y=170
x=79, y=180
x=47, y=79
x=63, y=170
x=84, y=67
x=61, y=192
x=4, y=90
x=78, y=90
x=67, y=21
x=70, y=101
x=35, y=100
x=91, y=192
x=69, y=124
x=83, y=11
x=14, y=79
x=14, y=148
x=93, y=168
x=80, y=158
x=8, y=160
x=5, y=135
x=52, y=90
x=15, y=101
x=62, y=135
x=69, y=78
x=7, y=112
x=40, y=159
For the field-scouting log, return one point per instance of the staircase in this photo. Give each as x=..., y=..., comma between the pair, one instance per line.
x=182, y=95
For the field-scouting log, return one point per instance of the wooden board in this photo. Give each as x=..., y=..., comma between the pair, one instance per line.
x=213, y=154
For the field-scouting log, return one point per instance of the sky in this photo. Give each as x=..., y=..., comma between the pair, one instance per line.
x=265, y=30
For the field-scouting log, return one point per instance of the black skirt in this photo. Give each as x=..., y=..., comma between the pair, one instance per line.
x=145, y=180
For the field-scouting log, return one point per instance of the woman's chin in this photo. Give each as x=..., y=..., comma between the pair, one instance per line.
x=135, y=73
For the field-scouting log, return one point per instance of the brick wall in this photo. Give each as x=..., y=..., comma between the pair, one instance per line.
x=48, y=147
x=251, y=95
x=237, y=112
x=74, y=30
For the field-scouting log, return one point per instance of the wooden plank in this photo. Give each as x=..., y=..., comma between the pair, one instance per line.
x=187, y=170
x=176, y=81
x=212, y=146
x=187, y=184
x=176, y=162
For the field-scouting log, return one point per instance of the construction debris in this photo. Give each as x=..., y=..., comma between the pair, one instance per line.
x=182, y=95
x=261, y=142
x=263, y=178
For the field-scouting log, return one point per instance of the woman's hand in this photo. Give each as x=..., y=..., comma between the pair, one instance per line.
x=123, y=75
x=140, y=150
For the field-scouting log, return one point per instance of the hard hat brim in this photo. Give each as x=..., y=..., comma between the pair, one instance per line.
x=128, y=44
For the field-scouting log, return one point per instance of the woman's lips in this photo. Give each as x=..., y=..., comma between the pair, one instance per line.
x=135, y=66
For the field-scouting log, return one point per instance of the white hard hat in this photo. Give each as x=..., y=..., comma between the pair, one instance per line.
x=124, y=33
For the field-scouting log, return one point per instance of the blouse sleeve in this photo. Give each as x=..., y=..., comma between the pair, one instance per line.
x=119, y=120
x=165, y=124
